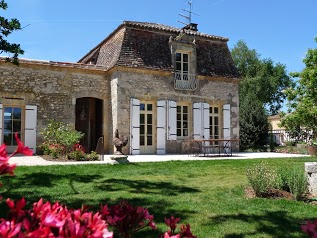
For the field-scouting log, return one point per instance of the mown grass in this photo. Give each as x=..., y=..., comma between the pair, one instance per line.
x=207, y=194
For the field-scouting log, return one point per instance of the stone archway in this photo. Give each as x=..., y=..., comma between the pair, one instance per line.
x=89, y=120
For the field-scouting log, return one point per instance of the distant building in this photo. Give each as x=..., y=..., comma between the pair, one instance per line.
x=157, y=84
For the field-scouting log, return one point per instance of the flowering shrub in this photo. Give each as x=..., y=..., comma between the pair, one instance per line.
x=55, y=150
x=310, y=228
x=61, y=134
x=127, y=219
x=51, y=220
x=56, y=220
x=5, y=167
x=77, y=152
x=172, y=224
x=262, y=178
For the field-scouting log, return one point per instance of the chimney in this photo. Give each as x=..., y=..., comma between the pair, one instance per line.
x=191, y=26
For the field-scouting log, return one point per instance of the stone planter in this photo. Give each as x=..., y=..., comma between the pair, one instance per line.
x=312, y=150
x=119, y=159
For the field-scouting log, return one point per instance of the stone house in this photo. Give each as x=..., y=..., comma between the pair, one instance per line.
x=157, y=84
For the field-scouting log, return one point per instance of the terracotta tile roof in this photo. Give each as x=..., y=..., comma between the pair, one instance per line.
x=56, y=63
x=161, y=27
x=146, y=45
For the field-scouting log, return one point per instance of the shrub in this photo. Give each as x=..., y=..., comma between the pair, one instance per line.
x=61, y=134
x=293, y=181
x=56, y=220
x=93, y=156
x=77, y=153
x=262, y=178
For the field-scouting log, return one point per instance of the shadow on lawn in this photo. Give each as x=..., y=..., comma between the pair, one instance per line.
x=142, y=186
x=276, y=224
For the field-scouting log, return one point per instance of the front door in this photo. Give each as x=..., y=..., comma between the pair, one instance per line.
x=147, y=132
x=12, y=123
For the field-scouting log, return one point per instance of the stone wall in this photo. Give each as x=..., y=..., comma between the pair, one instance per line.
x=160, y=86
x=54, y=89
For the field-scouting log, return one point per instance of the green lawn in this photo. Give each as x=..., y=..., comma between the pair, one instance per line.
x=207, y=194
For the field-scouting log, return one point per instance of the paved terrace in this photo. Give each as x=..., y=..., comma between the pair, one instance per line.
x=37, y=160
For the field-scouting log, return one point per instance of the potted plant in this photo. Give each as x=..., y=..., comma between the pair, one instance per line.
x=312, y=147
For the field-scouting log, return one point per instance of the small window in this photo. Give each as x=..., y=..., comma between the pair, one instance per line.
x=182, y=121
x=182, y=64
x=214, y=119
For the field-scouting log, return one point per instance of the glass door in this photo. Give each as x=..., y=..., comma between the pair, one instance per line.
x=12, y=123
x=146, y=128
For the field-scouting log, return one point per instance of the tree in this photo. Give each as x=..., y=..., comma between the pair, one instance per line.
x=6, y=28
x=254, y=125
x=260, y=91
x=261, y=76
x=303, y=96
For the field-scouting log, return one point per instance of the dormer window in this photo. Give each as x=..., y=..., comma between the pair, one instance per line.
x=182, y=65
x=185, y=79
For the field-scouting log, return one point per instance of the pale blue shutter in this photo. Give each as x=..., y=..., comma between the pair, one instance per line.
x=1, y=124
x=135, y=126
x=197, y=120
x=30, y=127
x=161, y=127
x=226, y=121
x=205, y=123
x=171, y=114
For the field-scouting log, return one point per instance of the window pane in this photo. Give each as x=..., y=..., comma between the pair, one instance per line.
x=185, y=109
x=149, y=107
x=185, y=57
x=142, y=129
x=16, y=113
x=7, y=124
x=149, y=129
x=178, y=66
x=16, y=126
x=7, y=138
x=149, y=119
x=216, y=121
x=142, y=140
x=185, y=125
x=8, y=113
x=179, y=116
x=210, y=110
x=210, y=121
x=142, y=106
x=185, y=117
x=178, y=57
x=142, y=119
x=185, y=132
x=179, y=109
x=216, y=110
x=216, y=130
x=149, y=140
x=185, y=67
x=179, y=132
x=179, y=124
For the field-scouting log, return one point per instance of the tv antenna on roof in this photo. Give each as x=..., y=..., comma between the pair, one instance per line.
x=190, y=12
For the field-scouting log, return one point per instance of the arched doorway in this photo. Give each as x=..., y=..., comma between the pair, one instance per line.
x=89, y=120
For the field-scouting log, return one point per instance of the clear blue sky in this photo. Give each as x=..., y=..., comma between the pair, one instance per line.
x=65, y=30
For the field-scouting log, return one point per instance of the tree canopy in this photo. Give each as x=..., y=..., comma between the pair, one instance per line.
x=8, y=26
x=303, y=97
x=261, y=76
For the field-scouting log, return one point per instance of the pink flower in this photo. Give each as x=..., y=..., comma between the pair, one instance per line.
x=21, y=148
x=172, y=223
x=9, y=229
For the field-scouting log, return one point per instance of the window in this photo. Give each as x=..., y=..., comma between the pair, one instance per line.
x=214, y=122
x=146, y=124
x=182, y=121
x=182, y=65
x=12, y=122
